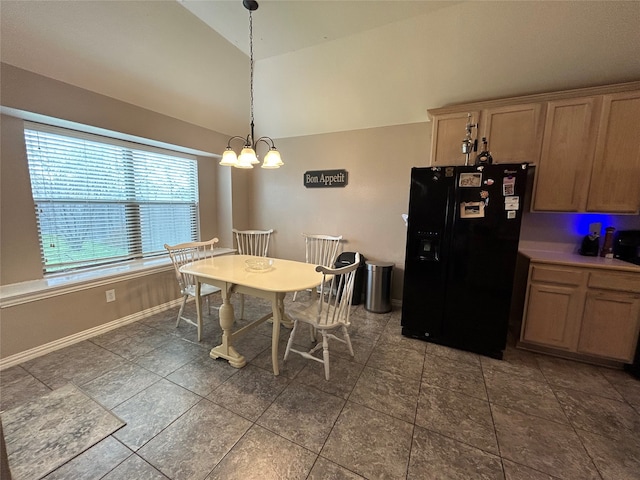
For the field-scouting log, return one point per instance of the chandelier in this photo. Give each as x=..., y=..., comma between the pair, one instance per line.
x=248, y=157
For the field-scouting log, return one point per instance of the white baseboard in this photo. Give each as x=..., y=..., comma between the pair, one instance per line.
x=84, y=335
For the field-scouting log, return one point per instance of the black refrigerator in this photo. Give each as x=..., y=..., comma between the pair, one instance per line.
x=462, y=244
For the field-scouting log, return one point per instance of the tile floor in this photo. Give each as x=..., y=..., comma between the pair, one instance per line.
x=401, y=409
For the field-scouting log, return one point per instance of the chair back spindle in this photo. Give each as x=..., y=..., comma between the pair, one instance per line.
x=336, y=294
x=252, y=242
x=321, y=249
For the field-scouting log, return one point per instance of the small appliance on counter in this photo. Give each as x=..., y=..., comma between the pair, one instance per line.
x=607, y=248
x=626, y=246
x=591, y=243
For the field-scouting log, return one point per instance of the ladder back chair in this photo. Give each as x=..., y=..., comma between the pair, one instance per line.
x=329, y=314
x=320, y=250
x=252, y=242
x=182, y=254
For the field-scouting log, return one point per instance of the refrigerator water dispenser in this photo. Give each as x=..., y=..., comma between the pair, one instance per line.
x=429, y=244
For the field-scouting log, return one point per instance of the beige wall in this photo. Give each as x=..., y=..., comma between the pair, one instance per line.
x=31, y=325
x=367, y=212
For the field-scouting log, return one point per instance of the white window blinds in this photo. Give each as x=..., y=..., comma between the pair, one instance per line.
x=100, y=200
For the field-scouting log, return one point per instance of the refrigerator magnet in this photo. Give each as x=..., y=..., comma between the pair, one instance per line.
x=470, y=180
x=484, y=195
x=472, y=210
x=508, y=185
x=512, y=203
x=511, y=214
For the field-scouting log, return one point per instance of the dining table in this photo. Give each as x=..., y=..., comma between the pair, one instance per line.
x=234, y=274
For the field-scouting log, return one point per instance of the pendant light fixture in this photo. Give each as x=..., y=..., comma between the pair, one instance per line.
x=248, y=157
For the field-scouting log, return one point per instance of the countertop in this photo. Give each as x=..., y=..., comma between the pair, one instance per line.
x=561, y=254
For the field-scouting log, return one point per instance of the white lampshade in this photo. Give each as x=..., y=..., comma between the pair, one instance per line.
x=247, y=158
x=272, y=159
x=229, y=158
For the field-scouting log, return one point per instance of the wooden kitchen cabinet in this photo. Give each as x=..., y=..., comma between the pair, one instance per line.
x=552, y=315
x=590, y=159
x=611, y=318
x=513, y=132
x=616, y=166
x=449, y=131
x=610, y=325
x=584, y=142
x=553, y=307
x=564, y=170
x=582, y=312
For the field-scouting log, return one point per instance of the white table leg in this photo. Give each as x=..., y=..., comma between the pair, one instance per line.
x=225, y=350
x=198, y=309
x=277, y=306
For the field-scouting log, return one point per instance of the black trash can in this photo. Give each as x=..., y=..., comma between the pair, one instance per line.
x=348, y=258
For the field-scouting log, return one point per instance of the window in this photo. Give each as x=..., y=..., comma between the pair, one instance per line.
x=99, y=200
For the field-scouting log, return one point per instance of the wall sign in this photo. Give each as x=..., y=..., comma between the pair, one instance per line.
x=326, y=178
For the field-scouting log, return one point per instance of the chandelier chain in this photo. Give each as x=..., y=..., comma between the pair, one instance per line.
x=251, y=65
x=248, y=156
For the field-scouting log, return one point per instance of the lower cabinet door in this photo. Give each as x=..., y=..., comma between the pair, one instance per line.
x=552, y=316
x=610, y=325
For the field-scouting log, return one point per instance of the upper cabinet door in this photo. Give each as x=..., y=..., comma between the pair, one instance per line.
x=585, y=143
x=447, y=134
x=564, y=169
x=514, y=132
x=616, y=167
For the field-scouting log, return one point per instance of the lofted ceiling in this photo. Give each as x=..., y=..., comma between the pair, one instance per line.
x=290, y=25
x=322, y=66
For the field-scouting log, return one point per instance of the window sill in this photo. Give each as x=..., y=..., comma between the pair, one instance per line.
x=64, y=283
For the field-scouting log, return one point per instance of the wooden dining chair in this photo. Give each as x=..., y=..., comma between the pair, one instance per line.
x=251, y=242
x=182, y=254
x=320, y=250
x=328, y=314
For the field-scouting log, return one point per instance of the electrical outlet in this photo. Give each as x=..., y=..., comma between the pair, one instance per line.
x=111, y=295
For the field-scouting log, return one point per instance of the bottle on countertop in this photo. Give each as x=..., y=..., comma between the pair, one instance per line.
x=607, y=248
x=484, y=157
